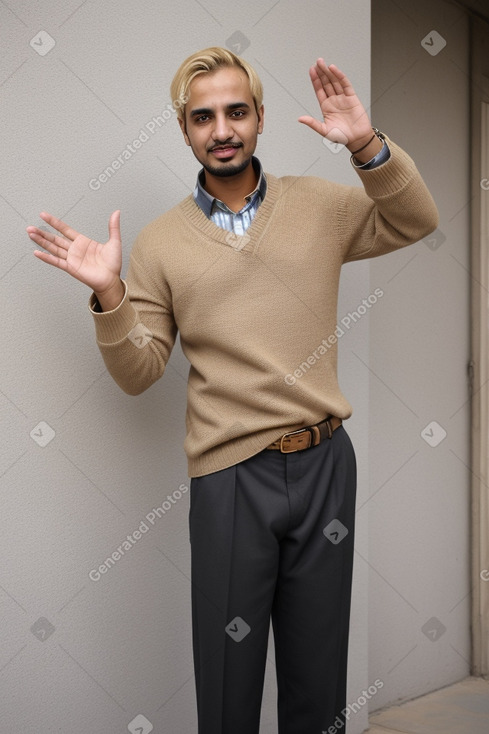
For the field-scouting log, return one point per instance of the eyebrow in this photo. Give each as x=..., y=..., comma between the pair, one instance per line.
x=229, y=107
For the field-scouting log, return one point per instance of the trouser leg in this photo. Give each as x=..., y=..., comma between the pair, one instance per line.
x=311, y=608
x=234, y=515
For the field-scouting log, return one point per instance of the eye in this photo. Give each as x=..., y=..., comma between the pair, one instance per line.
x=201, y=118
x=238, y=113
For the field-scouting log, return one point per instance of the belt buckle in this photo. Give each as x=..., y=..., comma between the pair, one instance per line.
x=294, y=433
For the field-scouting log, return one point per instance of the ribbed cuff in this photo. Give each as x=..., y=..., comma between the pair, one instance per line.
x=112, y=327
x=391, y=176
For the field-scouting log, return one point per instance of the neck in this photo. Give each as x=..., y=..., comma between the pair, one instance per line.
x=232, y=189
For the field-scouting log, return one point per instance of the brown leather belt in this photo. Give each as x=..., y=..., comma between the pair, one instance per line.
x=305, y=438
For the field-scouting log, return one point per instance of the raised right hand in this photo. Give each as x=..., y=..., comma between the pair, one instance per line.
x=96, y=265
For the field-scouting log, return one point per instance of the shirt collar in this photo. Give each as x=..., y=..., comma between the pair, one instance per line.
x=207, y=202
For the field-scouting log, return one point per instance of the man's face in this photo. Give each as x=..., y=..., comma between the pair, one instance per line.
x=221, y=123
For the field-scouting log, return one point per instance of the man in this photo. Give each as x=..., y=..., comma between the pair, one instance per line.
x=247, y=269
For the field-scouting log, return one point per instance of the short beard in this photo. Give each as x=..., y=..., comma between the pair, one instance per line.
x=225, y=171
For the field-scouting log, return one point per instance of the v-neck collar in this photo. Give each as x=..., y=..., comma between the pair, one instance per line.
x=193, y=214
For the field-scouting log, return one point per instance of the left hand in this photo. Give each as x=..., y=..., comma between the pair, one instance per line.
x=345, y=120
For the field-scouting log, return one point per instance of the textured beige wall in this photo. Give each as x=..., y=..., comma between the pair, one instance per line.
x=82, y=464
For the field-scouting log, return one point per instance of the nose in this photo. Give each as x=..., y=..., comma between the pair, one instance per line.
x=222, y=128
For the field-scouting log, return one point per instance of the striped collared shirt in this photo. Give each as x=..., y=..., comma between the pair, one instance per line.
x=221, y=214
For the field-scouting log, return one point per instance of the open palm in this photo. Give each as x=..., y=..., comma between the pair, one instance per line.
x=344, y=117
x=95, y=264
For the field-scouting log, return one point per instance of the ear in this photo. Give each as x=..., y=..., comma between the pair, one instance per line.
x=261, y=119
x=183, y=128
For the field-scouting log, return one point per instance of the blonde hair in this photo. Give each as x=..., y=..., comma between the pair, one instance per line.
x=208, y=60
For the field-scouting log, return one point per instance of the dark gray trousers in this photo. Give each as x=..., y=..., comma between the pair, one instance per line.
x=272, y=537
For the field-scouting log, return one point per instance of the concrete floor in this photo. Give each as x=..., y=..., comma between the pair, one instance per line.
x=462, y=708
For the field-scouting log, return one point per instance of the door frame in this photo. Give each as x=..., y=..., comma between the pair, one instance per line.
x=479, y=365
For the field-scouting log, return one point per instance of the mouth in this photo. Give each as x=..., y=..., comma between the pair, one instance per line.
x=224, y=151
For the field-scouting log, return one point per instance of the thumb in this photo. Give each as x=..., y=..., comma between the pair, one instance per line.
x=334, y=134
x=115, y=226
x=312, y=123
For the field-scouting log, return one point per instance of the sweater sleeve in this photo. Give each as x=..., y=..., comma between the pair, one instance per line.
x=136, y=338
x=394, y=208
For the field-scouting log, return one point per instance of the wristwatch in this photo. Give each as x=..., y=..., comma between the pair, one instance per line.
x=379, y=134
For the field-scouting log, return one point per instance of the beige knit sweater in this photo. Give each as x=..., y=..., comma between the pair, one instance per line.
x=257, y=314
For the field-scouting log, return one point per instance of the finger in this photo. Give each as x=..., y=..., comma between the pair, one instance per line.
x=339, y=80
x=115, y=226
x=330, y=81
x=345, y=82
x=321, y=83
x=61, y=226
x=51, y=259
x=318, y=85
x=51, y=242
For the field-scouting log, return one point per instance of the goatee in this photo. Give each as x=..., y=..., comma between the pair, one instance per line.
x=227, y=170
